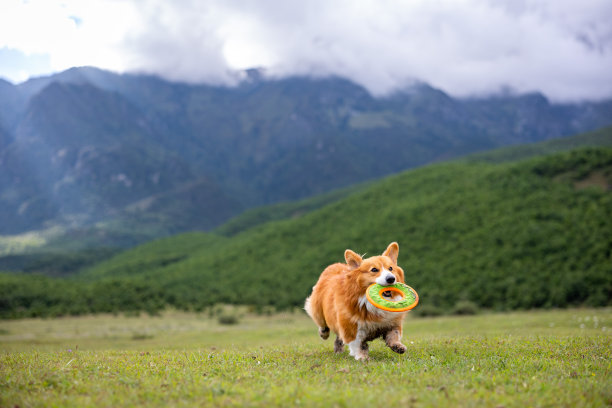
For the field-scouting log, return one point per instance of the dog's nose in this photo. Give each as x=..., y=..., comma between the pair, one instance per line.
x=390, y=279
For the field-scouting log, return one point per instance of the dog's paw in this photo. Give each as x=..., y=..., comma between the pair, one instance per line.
x=362, y=357
x=399, y=348
x=338, y=346
x=324, y=332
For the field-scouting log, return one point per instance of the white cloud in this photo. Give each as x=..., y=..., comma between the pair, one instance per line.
x=560, y=47
x=70, y=32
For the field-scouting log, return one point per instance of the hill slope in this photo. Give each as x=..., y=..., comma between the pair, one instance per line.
x=260, y=215
x=598, y=138
x=534, y=233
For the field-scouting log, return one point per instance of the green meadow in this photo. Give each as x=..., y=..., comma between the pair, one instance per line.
x=486, y=239
x=554, y=358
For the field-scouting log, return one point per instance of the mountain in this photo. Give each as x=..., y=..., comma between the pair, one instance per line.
x=64, y=256
x=81, y=155
x=264, y=214
x=598, y=138
x=119, y=159
x=522, y=234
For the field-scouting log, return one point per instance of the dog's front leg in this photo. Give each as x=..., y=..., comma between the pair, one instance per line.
x=351, y=335
x=358, y=347
x=393, y=339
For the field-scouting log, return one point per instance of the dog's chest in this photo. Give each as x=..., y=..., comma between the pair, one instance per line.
x=378, y=314
x=380, y=321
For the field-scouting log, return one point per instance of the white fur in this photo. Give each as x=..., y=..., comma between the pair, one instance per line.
x=307, y=306
x=382, y=279
x=387, y=316
x=355, y=345
x=363, y=302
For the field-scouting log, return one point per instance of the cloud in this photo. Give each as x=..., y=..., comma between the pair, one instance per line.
x=180, y=40
x=562, y=48
x=69, y=33
x=559, y=47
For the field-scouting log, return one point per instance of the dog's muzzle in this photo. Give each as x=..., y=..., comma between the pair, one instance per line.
x=386, y=278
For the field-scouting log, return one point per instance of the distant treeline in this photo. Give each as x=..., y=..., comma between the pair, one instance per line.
x=528, y=234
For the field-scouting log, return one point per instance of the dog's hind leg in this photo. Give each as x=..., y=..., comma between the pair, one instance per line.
x=324, y=332
x=314, y=311
x=338, y=345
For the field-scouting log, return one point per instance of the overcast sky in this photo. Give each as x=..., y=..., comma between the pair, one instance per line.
x=562, y=48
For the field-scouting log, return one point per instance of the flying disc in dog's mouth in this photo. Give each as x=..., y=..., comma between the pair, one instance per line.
x=398, y=297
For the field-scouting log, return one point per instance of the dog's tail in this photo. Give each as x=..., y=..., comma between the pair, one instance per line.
x=308, y=307
x=315, y=311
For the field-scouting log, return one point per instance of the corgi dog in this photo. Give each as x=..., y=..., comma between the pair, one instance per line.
x=338, y=303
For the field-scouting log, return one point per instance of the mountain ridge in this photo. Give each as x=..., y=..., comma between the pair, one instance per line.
x=79, y=148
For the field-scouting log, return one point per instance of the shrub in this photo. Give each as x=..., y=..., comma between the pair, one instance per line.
x=427, y=311
x=465, y=307
x=227, y=319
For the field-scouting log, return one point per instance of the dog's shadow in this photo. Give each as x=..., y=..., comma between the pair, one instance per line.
x=376, y=355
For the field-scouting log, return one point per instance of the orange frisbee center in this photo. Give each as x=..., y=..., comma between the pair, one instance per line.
x=391, y=289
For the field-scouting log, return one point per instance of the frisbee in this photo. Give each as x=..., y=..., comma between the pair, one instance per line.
x=393, y=298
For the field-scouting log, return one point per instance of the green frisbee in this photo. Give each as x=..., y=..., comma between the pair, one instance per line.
x=383, y=297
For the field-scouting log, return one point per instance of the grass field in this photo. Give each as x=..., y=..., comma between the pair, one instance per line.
x=546, y=358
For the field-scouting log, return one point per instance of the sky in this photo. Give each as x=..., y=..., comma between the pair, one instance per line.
x=562, y=48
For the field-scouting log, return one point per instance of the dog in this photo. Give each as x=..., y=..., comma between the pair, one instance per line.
x=338, y=303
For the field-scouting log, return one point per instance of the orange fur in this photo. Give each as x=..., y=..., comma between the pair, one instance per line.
x=338, y=303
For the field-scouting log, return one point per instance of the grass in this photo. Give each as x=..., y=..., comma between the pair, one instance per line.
x=546, y=358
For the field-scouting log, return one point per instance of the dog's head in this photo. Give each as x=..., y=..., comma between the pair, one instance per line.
x=380, y=269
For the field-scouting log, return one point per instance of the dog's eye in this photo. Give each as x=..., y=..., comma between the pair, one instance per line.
x=374, y=269
x=390, y=268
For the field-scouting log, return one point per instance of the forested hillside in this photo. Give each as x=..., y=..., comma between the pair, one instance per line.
x=250, y=218
x=526, y=234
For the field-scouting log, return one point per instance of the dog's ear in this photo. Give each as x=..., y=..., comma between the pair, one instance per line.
x=352, y=259
x=392, y=251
